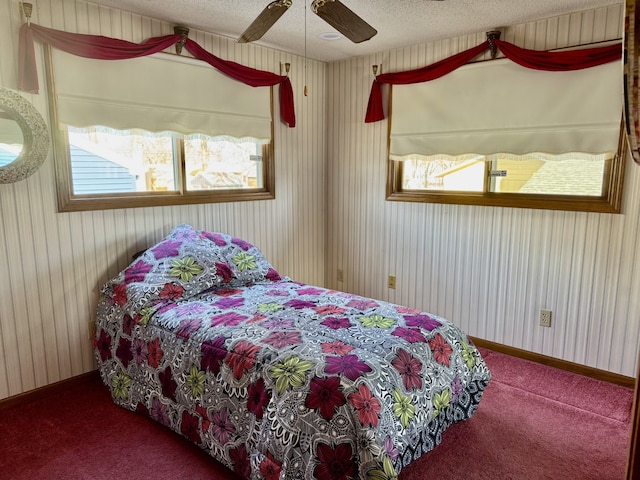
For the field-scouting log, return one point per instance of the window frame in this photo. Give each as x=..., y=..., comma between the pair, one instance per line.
x=70, y=202
x=609, y=202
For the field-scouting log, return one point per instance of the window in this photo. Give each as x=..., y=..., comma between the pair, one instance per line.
x=568, y=182
x=174, y=131
x=564, y=147
x=577, y=181
x=134, y=164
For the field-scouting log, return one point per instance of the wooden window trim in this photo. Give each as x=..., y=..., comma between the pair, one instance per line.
x=67, y=202
x=609, y=202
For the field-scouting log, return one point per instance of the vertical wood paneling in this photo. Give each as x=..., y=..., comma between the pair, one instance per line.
x=488, y=269
x=54, y=263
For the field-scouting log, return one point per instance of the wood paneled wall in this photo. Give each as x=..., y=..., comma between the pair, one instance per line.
x=490, y=270
x=52, y=264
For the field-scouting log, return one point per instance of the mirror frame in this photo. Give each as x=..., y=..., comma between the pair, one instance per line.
x=35, y=137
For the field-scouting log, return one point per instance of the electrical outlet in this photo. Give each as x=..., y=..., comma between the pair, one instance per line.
x=545, y=318
x=340, y=275
x=392, y=281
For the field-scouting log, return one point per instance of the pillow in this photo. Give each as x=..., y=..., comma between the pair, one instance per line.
x=185, y=263
x=179, y=266
x=245, y=261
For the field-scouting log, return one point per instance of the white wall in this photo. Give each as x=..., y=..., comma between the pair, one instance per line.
x=53, y=263
x=490, y=270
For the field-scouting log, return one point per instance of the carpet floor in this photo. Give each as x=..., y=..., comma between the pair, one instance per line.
x=534, y=423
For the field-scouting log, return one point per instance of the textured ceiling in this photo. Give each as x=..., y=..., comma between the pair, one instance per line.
x=399, y=22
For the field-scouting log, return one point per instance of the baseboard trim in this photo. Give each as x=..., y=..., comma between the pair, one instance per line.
x=52, y=389
x=584, y=370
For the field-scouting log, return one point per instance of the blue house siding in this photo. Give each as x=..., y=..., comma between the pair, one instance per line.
x=93, y=174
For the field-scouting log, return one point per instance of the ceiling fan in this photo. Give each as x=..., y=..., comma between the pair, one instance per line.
x=333, y=12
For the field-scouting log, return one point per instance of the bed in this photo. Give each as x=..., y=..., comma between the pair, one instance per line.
x=274, y=378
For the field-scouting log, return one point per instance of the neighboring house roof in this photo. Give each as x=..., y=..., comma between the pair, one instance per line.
x=460, y=166
x=566, y=177
x=208, y=180
x=569, y=177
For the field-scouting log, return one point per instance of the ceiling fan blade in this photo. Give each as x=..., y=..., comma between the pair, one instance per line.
x=343, y=20
x=265, y=21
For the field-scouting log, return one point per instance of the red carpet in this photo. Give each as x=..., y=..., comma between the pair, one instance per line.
x=534, y=422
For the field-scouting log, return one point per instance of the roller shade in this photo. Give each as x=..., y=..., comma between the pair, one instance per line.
x=500, y=107
x=157, y=93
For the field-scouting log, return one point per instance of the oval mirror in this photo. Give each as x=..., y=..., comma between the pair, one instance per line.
x=24, y=139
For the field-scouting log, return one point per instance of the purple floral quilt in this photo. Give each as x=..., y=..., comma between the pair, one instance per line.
x=274, y=378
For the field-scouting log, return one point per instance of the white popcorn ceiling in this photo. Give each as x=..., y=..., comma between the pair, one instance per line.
x=399, y=23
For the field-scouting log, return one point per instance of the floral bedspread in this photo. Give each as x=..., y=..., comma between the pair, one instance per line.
x=277, y=379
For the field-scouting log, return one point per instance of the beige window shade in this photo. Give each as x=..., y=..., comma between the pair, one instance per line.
x=158, y=93
x=500, y=107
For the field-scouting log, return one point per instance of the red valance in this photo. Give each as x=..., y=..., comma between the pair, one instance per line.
x=106, y=48
x=560, y=61
x=535, y=59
